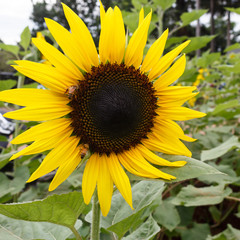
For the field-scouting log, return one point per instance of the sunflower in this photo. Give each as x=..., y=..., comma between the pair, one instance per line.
x=112, y=103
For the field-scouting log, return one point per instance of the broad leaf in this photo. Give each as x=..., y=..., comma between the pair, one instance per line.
x=167, y=215
x=232, y=47
x=192, y=196
x=164, y=4
x=4, y=158
x=7, y=84
x=235, y=10
x=193, y=169
x=192, y=16
x=10, y=48
x=199, y=230
x=197, y=43
x=146, y=231
x=221, y=107
x=221, y=149
x=11, y=229
x=121, y=217
x=25, y=38
x=60, y=209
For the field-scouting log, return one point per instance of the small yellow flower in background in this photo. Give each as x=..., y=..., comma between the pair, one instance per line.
x=111, y=107
x=41, y=36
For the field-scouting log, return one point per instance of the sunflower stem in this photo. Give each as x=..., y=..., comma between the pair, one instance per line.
x=95, y=228
x=76, y=234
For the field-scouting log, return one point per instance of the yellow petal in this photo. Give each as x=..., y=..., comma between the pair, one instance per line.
x=59, y=60
x=39, y=113
x=141, y=165
x=104, y=187
x=174, y=128
x=155, y=159
x=172, y=74
x=141, y=16
x=112, y=37
x=58, y=156
x=102, y=12
x=43, y=130
x=65, y=170
x=82, y=36
x=90, y=176
x=120, y=178
x=178, y=113
x=166, y=61
x=33, y=97
x=68, y=44
x=42, y=145
x=154, y=52
x=134, y=51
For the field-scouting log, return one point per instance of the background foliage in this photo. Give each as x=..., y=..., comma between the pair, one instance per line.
x=203, y=203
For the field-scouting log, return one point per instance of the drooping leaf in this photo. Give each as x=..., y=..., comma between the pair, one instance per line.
x=25, y=38
x=10, y=48
x=221, y=107
x=7, y=84
x=221, y=149
x=121, y=217
x=197, y=43
x=192, y=16
x=11, y=229
x=146, y=231
x=60, y=209
x=192, y=196
x=167, y=215
x=164, y=4
x=193, y=169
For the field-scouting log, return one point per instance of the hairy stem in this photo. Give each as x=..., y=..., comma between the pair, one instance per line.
x=95, y=228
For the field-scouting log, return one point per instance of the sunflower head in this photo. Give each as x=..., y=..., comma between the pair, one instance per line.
x=113, y=102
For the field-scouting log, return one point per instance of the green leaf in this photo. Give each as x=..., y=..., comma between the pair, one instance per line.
x=229, y=234
x=197, y=43
x=192, y=16
x=199, y=230
x=25, y=38
x=192, y=196
x=10, y=48
x=216, y=214
x=30, y=85
x=11, y=229
x=219, y=108
x=164, y=4
x=60, y=209
x=174, y=40
x=146, y=231
x=4, y=159
x=167, y=215
x=208, y=59
x=232, y=47
x=121, y=217
x=4, y=186
x=7, y=84
x=193, y=169
x=235, y=10
x=221, y=149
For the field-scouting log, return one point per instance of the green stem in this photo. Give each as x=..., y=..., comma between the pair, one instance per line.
x=76, y=234
x=160, y=20
x=95, y=228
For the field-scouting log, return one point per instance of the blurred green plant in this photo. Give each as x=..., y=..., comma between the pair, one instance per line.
x=203, y=204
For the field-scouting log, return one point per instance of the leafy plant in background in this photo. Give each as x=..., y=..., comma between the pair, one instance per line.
x=203, y=203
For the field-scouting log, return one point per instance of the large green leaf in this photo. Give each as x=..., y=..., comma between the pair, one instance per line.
x=4, y=158
x=232, y=47
x=10, y=48
x=197, y=43
x=121, y=217
x=193, y=169
x=192, y=16
x=7, y=84
x=235, y=10
x=221, y=149
x=167, y=215
x=11, y=229
x=60, y=209
x=199, y=230
x=25, y=38
x=192, y=196
x=164, y=4
x=221, y=107
x=146, y=231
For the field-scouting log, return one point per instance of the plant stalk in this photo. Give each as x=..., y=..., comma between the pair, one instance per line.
x=95, y=228
x=76, y=234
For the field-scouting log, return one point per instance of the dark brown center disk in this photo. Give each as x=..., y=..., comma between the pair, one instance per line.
x=113, y=108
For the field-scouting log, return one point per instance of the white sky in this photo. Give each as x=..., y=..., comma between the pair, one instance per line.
x=14, y=17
